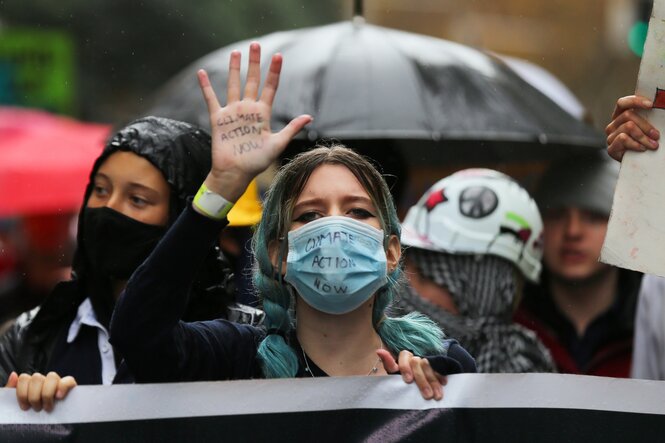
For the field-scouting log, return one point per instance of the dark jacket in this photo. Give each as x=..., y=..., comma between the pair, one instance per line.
x=162, y=348
x=28, y=344
x=38, y=343
x=607, y=345
x=182, y=153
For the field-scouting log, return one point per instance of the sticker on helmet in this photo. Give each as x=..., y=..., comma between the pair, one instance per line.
x=522, y=233
x=435, y=199
x=478, y=202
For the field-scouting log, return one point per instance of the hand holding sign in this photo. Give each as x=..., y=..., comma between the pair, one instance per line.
x=628, y=130
x=242, y=143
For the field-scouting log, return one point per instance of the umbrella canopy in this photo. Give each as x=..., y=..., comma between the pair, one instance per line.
x=367, y=83
x=45, y=161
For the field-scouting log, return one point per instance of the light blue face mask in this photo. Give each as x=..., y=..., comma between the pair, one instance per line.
x=336, y=263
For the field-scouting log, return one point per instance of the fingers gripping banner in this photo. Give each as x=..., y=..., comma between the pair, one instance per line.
x=475, y=408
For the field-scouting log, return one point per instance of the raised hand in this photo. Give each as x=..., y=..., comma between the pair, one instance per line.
x=242, y=143
x=628, y=131
x=412, y=368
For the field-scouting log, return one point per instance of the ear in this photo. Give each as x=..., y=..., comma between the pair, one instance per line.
x=393, y=253
x=274, y=248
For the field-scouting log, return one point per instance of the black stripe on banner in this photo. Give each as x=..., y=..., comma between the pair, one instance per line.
x=467, y=425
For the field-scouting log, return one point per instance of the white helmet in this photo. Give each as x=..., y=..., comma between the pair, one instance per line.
x=478, y=211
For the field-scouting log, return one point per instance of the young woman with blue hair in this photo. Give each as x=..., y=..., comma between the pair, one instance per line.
x=327, y=249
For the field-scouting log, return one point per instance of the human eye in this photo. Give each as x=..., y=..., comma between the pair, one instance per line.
x=593, y=217
x=99, y=190
x=555, y=214
x=360, y=213
x=139, y=201
x=307, y=217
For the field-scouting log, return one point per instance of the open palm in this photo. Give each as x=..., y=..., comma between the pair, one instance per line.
x=242, y=143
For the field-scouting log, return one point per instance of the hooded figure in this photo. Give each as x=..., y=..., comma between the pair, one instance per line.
x=110, y=246
x=474, y=238
x=484, y=290
x=181, y=152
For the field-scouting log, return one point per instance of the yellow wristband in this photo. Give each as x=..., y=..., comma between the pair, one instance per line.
x=212, y=204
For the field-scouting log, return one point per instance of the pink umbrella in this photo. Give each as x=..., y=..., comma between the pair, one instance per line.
x=45, y=160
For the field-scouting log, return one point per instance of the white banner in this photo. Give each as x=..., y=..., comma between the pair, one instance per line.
x=247, y=410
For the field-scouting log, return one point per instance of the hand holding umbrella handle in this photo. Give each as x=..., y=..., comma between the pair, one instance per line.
x=242, y=143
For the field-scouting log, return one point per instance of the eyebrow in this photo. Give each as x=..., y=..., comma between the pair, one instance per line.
x=101, y=175
x=347, y=199
x=132, y=185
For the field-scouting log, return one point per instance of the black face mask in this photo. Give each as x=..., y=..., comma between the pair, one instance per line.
x=115, y=245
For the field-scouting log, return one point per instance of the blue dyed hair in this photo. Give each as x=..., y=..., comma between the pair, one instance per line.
x=413, y=332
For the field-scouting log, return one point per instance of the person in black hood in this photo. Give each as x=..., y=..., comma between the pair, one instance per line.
x=138, y=186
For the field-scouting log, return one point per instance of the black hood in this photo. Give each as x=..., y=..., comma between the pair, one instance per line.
x=179, y=150
x=182, y=153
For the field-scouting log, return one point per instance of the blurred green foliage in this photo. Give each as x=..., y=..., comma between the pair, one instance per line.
x=126, y=49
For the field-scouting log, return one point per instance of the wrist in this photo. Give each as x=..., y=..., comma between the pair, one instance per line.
x=211, y=204
x=228, y=184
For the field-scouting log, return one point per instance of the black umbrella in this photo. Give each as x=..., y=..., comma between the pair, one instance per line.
x=434, y=99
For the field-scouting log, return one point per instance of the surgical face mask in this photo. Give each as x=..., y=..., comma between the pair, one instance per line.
x=336, y=263
x=115, y=244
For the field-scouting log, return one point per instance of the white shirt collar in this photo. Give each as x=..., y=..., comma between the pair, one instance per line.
x=84, y=316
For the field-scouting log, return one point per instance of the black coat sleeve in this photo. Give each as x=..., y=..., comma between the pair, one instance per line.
x=454, y=360
x=10, y=342
x=146, y=328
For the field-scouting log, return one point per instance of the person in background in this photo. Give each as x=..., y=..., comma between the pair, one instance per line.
x=472, y=240
x=138, y=186
x=628, y=131
x=583, y=310
x=42, y=247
